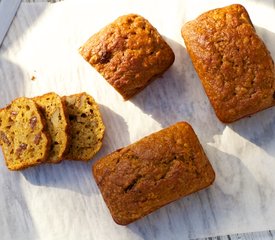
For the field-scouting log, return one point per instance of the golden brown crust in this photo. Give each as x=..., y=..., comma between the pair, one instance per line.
x=129, y=53
x=23, y=137
x=86, y=127
x=152, y=172
x=233, y=63
x=53, y=110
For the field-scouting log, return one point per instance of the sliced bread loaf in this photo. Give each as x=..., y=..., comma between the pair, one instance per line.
x=86, y=127
x=23, y=137
x=53, y=110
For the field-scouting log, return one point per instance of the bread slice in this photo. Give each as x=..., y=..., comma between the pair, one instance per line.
x=23, y=137
x=86, y=127
x=53, y=110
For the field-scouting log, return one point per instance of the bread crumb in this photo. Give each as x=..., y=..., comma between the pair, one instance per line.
x=33, y=78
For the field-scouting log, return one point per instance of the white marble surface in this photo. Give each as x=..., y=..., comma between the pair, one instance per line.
x=62, y=201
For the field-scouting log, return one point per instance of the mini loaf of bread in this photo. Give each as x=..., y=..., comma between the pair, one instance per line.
x=129, y=53
x=86, y=127
x=156, y=170
x=233, y=63
x=53, y=110
x=23, y=137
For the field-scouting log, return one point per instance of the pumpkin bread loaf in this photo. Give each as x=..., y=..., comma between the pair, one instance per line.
x=53, y=110
x=156, y=170
x=233, y=63
x=86, y=127
x=128, y=53
x=23, y=137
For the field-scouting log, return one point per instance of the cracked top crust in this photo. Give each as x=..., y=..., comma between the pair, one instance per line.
x=152, y=172
x=233, y=63
x=129, y=53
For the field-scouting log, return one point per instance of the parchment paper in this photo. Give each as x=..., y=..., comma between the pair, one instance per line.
x=62, y=201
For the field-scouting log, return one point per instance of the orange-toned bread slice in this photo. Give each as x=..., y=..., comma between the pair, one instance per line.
x=86, y=127
x=23, y=137
x=53, y=110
